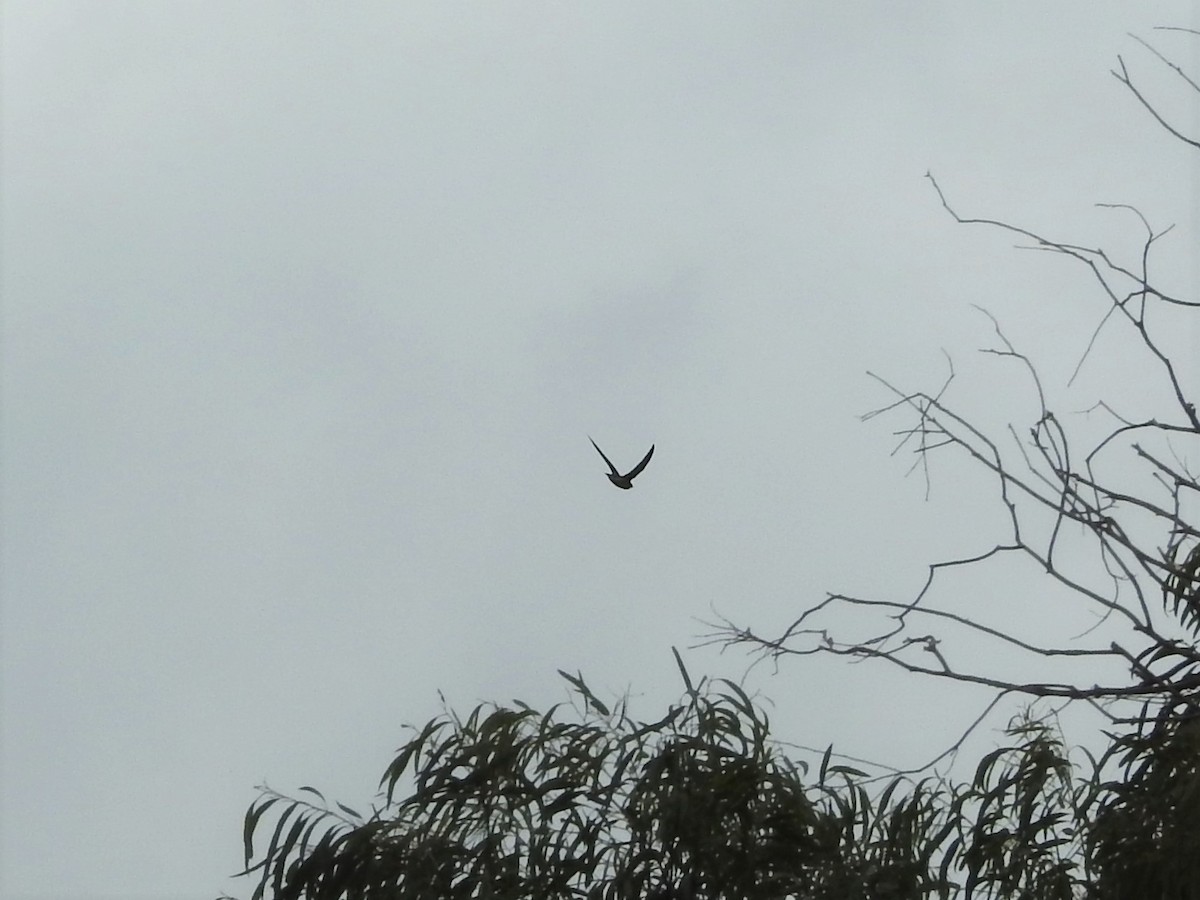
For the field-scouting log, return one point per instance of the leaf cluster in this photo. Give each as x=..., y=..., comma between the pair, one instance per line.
x=702, y=803
x=579, y=802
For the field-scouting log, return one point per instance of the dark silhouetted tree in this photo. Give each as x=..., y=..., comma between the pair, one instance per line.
x=583, y=801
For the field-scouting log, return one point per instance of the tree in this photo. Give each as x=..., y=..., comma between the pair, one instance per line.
x=1126, y=551
x=584, y=801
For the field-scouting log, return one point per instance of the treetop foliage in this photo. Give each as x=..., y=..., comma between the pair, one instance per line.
x=580, y=801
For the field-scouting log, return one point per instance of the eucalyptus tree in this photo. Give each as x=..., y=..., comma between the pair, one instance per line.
x=584, y=800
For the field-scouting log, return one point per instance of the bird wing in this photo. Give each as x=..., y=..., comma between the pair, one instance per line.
x=605, y=458
x=638, y=468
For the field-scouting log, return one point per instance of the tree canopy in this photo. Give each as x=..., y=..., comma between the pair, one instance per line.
x=584, y=800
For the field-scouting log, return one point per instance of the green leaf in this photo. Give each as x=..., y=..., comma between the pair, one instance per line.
x=285, y=849
x=348, y=811
x=397, y=767
x=253, y=814
x=687, y=681
x=584, y=691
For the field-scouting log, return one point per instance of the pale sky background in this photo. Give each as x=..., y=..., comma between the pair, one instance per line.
x=310, y=308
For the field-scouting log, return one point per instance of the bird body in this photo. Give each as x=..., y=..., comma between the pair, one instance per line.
x=624, y=482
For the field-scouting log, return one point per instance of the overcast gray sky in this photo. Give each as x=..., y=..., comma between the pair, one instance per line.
x=309, y=310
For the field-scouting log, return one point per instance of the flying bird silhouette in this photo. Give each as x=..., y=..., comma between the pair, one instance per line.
x=625, y=482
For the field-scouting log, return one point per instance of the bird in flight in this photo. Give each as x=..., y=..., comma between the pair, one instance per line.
x=625, y=482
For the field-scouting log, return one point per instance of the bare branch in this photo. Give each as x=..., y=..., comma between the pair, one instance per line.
x=1123, y=77
x=1141, y=568
x=1167, y=62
